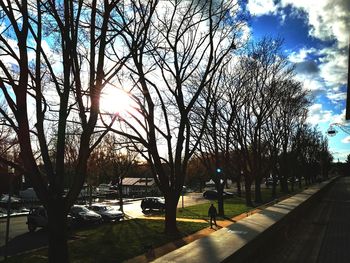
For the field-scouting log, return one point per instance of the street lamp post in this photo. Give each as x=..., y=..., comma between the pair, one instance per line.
x=332, y=131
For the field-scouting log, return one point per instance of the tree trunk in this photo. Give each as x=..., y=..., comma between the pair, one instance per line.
x=283, y=181
x=258, y=197
x=171, y=200
x=284, y=185
x=238, y=183
x=274, y=184
x=220, y=189
x=90, y=195
x=248, y=193
x=200, y=185
x=120, y=190
x=273, y=193
x=57, y=231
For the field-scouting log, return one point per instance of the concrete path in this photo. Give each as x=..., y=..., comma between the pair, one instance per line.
x=154, y=253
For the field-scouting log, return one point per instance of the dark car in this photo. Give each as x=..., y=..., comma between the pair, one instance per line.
x=37, y=217
x=213, y=194
x=108, y=213
x=152, y=203
x=82, y=215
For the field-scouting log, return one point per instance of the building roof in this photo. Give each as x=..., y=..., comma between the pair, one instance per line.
x=129, y=181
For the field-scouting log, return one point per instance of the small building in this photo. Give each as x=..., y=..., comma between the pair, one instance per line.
x=140, y=187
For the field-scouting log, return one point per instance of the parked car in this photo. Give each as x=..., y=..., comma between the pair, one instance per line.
x=296, y=180
x=37, y=217
x=269, y=181
x=213, y=194
x=108, y=213
x=82, y=215
x=152, y=203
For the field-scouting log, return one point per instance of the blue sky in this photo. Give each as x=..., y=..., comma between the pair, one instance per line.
x=316, y=37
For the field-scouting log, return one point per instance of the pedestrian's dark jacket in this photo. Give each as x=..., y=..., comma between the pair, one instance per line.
x=212, y=211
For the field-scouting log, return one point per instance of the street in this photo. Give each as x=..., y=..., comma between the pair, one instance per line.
x=19, y=237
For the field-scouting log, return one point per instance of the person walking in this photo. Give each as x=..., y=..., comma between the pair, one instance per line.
x=212, y=213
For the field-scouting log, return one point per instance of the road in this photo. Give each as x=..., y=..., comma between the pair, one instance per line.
x=19, y=237
x=22, y=240
x=132, y=209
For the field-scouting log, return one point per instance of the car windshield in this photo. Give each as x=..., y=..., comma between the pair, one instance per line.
x=99, y=208
x=79, y=209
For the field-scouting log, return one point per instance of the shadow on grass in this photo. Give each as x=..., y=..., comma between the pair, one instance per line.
x=192, y=213
x=150, y=213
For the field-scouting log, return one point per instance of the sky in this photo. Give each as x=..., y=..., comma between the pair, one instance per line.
x=316, y=37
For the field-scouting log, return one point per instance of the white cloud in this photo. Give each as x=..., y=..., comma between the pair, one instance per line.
x=331, y=72
x=258, y=7
x=318, y=115
x=336, y=97
x=328, y=19
x=339, y=118
x=346, y=139
x=300, y=55
x=333, y=67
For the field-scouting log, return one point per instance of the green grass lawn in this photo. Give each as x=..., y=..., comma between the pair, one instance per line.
x=115, y=242
x=232, y=206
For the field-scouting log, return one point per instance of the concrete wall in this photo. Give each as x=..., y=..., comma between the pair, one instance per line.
x=244, y=239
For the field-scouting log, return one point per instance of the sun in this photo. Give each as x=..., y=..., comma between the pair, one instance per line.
x=116, y=101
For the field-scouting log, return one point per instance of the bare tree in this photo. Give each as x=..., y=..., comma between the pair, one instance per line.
x=42, y=78
x=216, y=116
x=173, y=43
x=264, y=71
x=311, y=153
x=118, y=160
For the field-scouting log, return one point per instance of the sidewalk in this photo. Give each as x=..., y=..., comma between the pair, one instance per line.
x=154, y=253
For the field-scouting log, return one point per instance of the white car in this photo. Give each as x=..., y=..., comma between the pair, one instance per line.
x=82, y=215
x=108, y=213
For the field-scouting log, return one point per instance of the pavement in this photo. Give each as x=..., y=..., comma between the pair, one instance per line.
x=154, y=253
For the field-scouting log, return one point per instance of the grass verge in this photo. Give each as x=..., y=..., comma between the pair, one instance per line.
x=232, y=206
x=115, y=242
